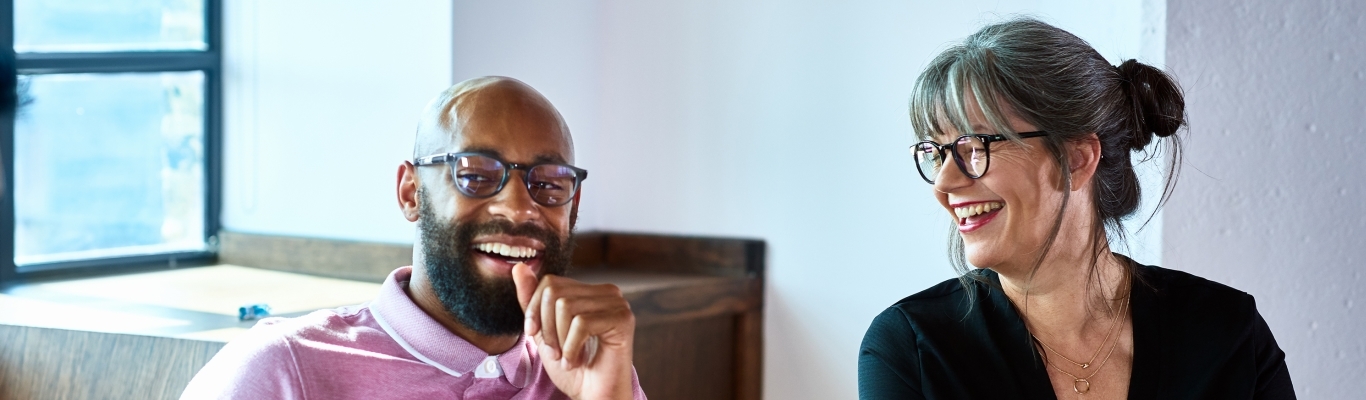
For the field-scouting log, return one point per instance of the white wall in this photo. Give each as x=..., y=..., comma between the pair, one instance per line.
x=321, y=102
x=774, y=120
x=778, y=120
x=1271, y=199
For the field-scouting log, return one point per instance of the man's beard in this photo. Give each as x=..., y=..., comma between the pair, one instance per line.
x=488, y=306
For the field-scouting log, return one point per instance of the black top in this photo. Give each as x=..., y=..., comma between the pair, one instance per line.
x=1193, y=339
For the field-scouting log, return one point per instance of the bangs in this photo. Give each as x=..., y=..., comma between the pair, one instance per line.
x=938, y=102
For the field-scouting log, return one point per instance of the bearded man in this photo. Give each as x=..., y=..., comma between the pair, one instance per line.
x=494, y=194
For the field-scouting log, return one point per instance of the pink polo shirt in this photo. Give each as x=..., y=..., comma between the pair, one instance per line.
x=385, y=349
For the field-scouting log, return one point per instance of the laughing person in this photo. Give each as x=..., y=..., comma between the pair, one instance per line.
x=1027, y=136
x=494, y=194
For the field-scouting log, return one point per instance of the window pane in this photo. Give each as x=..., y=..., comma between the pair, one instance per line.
x=47, y=26
x=109, y=164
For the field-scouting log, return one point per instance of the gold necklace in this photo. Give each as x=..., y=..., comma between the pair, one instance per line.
x=1087, y=380
x=1086, y=365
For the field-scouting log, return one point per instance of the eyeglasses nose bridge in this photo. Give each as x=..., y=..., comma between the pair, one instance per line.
x=525, y=187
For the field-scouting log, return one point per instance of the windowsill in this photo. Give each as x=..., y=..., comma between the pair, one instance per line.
x=201, y=303
x=193, y=303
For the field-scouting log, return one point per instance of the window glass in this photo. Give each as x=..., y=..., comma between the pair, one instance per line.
x=109, y=165
x=48, y=26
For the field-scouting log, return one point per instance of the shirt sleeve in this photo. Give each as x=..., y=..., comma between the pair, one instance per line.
x=1273, y=379
x=888, y=366
x=260, y=364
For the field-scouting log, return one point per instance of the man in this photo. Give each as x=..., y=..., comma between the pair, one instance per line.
x=495, y=198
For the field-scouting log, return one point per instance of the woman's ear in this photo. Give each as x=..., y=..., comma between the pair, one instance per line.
x=407, y=191
x=1083, y=157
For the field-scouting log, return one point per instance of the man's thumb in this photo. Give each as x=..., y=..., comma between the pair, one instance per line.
x=526, y=283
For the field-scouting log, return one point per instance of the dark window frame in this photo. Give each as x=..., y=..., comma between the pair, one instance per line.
x=209, y=61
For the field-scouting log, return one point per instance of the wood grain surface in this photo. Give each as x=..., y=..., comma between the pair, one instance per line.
x=46, y=363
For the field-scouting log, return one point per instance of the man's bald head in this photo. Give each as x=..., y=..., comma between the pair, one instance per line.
x=505, y=120
x=502, y=108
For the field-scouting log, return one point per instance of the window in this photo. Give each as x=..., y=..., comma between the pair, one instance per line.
x=111, y=161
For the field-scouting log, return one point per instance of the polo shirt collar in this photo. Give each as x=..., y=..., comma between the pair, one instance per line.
x=429, y=341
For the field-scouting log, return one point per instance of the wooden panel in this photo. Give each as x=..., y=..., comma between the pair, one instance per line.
x=657, y=253
x=687, y=359
x=44, y=363
x=370, y=262
x=749, y=355
x=589, y=249
x=661, y=298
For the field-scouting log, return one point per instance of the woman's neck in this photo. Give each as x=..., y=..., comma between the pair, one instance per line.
x=1064, y=298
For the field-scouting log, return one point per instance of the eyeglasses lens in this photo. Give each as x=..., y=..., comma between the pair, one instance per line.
x=927, y=160
x=551, y=184
x=477, y=176
x=972, y=153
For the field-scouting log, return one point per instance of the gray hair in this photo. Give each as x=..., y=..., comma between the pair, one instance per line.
x=1057, y=82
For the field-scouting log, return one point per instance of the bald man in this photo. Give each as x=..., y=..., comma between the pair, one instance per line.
x=494, y=194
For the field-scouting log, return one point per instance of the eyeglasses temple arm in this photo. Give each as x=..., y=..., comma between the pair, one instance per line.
x=432, y=159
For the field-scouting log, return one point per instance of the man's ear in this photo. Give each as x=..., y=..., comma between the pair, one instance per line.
x=407, y=191
x=1083, y=157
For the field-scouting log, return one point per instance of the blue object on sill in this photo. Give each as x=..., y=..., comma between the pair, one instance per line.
x=253, y=312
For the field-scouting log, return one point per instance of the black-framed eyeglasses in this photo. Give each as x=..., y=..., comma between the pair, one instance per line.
x=480, y=176
x=972, y=153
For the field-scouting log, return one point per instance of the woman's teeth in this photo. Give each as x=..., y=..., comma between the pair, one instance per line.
x=506, y=250
x=976, y=209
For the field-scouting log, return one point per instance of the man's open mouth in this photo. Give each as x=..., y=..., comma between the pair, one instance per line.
x=511, y=254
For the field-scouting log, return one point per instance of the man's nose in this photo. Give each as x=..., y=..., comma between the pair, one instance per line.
x=514, y=202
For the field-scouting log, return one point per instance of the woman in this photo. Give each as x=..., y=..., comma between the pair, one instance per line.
x=1028, y=135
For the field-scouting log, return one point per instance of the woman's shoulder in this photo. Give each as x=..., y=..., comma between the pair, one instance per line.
x=949, y=301
x=934, y=299
x=1181, y=299
x=1176, y=287
x=1212, y=335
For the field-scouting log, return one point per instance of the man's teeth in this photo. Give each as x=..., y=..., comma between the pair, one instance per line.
x=506, y=250
x=976, y=209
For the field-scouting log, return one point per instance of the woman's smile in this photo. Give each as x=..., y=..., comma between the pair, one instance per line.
x=974, y=215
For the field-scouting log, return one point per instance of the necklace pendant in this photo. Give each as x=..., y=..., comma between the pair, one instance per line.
x=1083, y=388
x=1083, y=366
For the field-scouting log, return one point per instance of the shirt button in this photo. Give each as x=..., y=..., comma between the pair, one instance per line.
x=489, y=366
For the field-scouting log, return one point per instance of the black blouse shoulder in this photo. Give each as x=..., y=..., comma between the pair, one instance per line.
x=1193, y=338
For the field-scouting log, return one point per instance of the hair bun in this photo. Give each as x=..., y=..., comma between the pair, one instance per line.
x=1158, y=104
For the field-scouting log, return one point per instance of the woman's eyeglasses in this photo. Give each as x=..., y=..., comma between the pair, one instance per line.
x=480, y=176
x=972, y=153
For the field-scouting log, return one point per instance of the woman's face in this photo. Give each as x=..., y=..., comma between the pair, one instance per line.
x=1006, y=215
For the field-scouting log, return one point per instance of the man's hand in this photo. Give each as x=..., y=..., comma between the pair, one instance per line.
x=585, y=333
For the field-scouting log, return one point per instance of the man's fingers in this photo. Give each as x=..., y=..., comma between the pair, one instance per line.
x=555, y=303
x=526, y=283
x=586, y=332
x=564, y=319
x=548, y=329
x=574, y=341
x=532, y=307
x=578, y=300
